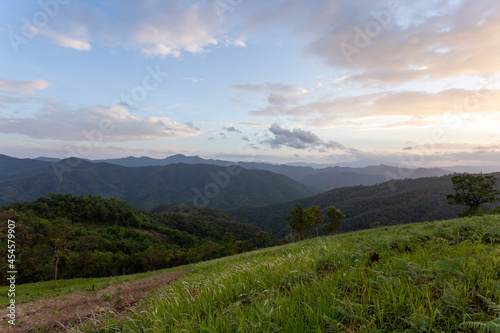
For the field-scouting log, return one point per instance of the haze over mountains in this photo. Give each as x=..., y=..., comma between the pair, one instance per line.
x=147, y=187
x=320, y=178
x=259, y=193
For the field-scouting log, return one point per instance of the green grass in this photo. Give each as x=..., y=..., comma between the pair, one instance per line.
x=31, y=291
x=442, y=276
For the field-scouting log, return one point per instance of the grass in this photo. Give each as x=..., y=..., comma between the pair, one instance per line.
x=442, y=276
x=31, y=291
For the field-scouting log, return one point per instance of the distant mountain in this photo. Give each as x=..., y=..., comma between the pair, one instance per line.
x=15, y=168
x=132, y=161
x=336, y=177
x=393, y=202
x=475, y=169
x=148, y=187
x=47, y=159
x=319, y=177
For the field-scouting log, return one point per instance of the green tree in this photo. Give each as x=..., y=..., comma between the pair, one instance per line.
x=228, y=242
x=334, y=222
x=313, y=217
x=296, y=220
x=59, y=244
x=473, y=191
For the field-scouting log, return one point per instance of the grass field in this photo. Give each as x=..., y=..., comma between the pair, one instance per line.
x=441, y=276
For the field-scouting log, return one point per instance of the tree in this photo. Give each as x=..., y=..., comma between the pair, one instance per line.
x=473, y=191
x=312, y=218
x=334, y=222
x=228, y=242
x=296, y=220
x=58, y=242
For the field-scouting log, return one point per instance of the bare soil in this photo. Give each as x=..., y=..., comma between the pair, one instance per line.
x=55, y=313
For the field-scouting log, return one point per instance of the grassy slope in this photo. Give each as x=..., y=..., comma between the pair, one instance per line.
x=430, y=277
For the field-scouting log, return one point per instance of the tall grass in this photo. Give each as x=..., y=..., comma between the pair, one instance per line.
x=442, y=276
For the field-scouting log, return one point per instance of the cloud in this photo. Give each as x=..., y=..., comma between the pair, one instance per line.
x=437, y=40
x=114, y=123
x=154, y=27
x=193, y=79
x=298, y=139
x=231, y=129
x=71, y=39
x=18, y=87
x=250, y=123
x=412, y=123
x=276, y=88
x=325, y=111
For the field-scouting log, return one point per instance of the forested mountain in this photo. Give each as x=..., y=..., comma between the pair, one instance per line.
x=148, y=187
x=393, y=202
x=323, y=179
x=86, y=236
x=14, y=168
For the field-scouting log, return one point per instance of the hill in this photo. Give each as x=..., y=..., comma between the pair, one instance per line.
x=14, y=168
x=440, y=276
x=319, y=177
x=88, y=236
x=393, y=202
x=148, y=187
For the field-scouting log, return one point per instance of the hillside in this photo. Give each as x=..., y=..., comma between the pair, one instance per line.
x=393, y=202
x=94, y=237
x=440, y=276
x=148, y=187
x=321, y=178
x=15, y=168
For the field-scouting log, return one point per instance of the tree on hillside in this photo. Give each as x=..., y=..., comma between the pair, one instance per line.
x=334, y=222
x=473, y=191
x=296, y=220
x=313, y=217
x=58, y=241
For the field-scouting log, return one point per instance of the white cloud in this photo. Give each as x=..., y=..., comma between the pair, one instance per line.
x=273, y=88
x=193, y=79
x=69, y=39
x=18, y=87
x=389, y=104
x=113, y=123
x=419, y=41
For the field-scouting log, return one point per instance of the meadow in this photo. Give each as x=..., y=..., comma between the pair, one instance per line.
x=441, y=276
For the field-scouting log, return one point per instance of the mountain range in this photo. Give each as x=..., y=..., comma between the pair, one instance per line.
x=320, y=179
x=393, y=202
x=146, y=187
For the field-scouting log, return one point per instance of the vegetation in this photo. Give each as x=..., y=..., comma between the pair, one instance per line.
x=303, y=221
x=389, y=203
x=335, y=218
x=473, y=191
x=147, y=187
x=441, y=276
x=63, y=236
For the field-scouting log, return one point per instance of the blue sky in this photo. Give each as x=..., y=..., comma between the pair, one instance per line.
x=340, y=82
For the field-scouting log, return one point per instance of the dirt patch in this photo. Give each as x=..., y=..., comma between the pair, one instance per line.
x=48, y=314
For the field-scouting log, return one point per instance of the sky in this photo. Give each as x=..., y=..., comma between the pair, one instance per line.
x=358, y=82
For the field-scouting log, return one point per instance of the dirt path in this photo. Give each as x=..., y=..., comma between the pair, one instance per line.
x=49, y=313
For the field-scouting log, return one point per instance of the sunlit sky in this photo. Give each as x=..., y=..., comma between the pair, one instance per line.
x=359, y=82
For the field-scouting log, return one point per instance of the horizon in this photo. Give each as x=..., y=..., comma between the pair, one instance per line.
x=454, y=168
x=326, y=83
